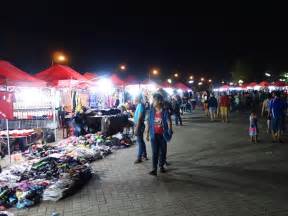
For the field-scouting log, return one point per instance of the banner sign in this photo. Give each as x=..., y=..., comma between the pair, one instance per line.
x=6, y=105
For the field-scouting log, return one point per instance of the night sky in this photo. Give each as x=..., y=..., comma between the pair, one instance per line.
x=199, y=45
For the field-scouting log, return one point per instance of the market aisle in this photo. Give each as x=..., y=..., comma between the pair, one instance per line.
x=214, y=171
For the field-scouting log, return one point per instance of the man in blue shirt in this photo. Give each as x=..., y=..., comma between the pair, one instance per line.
x=277, y=111
x=139, y=118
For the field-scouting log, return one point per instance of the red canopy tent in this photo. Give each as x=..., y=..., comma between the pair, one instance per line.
x=116, y=80
x=130, y=80
x=13, y=76
x=252, y=84
x=244, y=86
x=264, y=84
x=225, y=86
x=61, y=76
x=165, y=84
x=279, y=84
x=89, y=75
x=181, y=86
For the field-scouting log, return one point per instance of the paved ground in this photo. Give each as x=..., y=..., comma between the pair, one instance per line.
x=214, y=171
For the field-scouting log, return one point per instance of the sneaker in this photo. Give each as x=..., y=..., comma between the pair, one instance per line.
x=145, y=158
x=153, y=172
x=138, y=161
x=167, y=163
x=162, y=170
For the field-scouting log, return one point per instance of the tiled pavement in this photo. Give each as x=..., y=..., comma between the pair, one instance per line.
x=214, y=171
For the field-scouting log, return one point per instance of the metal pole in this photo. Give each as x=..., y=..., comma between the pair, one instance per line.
x=54, y=113
x=8, y=140
x=149, y=77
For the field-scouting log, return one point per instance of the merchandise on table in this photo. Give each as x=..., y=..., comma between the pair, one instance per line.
x=17, y=133
x=53, y=172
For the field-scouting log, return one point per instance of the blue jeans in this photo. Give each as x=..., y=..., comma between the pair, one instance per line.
x=158, y=151
x=178, y=119
x=141, y=145
x=164, y=152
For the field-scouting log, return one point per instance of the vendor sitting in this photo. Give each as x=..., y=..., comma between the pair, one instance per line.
x=79, y=122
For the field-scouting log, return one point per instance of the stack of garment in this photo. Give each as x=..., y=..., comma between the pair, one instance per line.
x=53, y=172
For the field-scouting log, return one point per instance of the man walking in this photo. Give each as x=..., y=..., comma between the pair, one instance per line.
x=177, y=111
x=212, y=106
x=277, y=110
x=224, y=107
x=139, y=118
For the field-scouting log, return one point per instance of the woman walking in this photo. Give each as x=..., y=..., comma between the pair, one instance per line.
x=159, y=132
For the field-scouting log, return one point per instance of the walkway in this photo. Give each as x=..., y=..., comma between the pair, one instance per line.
x=215, y=171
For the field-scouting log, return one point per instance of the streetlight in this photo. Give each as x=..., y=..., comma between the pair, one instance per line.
x=200, y=83
x=169, y=81
x=191, y=77
x=154, y=72
x=123, y=67
x=267, y=74
x=202, y=79
x=176, y=75
x=191, y=81
x=210, y=80
x=58, y=57
x=240, y=81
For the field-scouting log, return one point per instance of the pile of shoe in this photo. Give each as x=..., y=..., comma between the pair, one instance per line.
x=53, y=172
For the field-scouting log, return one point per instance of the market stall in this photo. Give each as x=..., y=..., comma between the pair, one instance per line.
x=25, y=104
x=105, y=92
x=66, y=83
x=146, y=88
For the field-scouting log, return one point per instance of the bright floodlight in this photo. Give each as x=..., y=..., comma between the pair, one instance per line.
x=155, y=72
x=169, y=90
x=123, y=67
x=240, y=81
x=268, y=74
x=200, y=83
x=105, y=85
x=169, y=81
x=191, y=81
x=133, y=90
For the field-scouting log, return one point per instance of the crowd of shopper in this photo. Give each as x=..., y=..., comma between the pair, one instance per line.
x=271, y=106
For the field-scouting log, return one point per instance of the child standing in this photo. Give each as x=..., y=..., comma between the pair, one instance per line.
x=253, y=127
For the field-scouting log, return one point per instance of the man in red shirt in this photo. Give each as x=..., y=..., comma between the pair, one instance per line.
x=224, y=107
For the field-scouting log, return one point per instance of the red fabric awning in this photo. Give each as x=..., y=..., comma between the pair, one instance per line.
x=130, y=80
x=13, y=76
x=165, y=84
x=252, y=84
x=264, y=84
x=116, y=80
x=279, y=84
x=57, y=73
x=225, y=86
x=245, y=85
x=89, y=75
x=181, y=86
